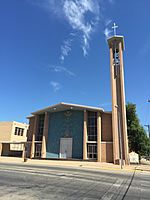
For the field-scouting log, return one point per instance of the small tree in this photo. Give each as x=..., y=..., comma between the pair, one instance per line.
x=138, y=140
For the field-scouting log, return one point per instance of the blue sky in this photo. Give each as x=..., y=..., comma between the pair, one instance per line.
x=56, y=51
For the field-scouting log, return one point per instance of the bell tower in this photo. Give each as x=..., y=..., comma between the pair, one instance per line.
x=119, y=124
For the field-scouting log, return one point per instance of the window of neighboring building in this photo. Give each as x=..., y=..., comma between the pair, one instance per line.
x=92, y=151
x=17, y=147
x=16, y=130
x=92, y=126
x=40, y=128
x=22, y=130
x=19, y=131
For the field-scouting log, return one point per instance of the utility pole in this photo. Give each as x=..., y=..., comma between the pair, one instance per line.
x=148, y=126
x=120, y=138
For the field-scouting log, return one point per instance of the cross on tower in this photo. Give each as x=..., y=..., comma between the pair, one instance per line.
x=114, y=27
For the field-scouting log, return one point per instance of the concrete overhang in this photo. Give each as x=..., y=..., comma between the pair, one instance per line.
x=116, y=38
x=12, y=142
x=66, y=106
x=28, y=117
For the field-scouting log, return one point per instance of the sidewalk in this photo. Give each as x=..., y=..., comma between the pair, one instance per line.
x=77, y=164
x=144, y=166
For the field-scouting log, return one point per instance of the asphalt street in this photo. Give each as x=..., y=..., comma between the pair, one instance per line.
x=23, y=181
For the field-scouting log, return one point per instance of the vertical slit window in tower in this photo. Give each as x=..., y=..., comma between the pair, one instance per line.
x=92, y=126
x=39, y=133
x=116, y=61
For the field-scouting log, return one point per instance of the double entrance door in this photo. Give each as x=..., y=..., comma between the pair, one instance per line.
x=65, y=147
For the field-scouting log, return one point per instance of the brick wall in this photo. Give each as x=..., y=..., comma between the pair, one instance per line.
x=31, y=129
x=107, y=127
x=107, y=152
x=5, y=131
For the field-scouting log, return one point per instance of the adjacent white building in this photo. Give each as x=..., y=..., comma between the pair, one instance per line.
x=13, y=135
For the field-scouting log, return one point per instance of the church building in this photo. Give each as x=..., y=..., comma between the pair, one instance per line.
x=72, y=131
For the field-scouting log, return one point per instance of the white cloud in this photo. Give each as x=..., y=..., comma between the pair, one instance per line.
x=75, y=13
x=59, y=69
x=65, y=49
x=82, y=15
x=107, y=32
x=50, y=6
x=56, y=86
x=108, y=22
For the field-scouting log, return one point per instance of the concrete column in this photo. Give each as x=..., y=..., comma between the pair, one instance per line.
x=23, y=152
x=33, y=137
x=123, y=108
x=99, y=137
x=85, y=136
x=45, y=135
x=114, y=110
x=33, y=146
x=1, y=148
